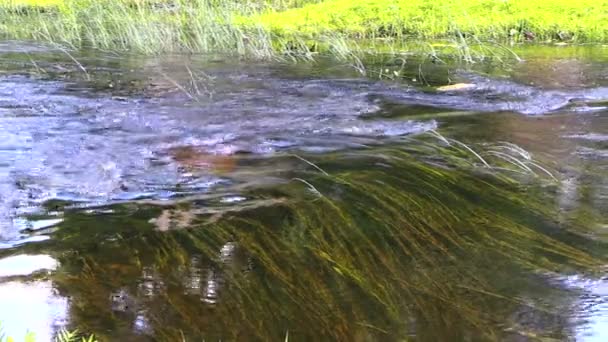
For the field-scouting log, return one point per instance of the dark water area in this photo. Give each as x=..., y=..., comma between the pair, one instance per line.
x=207, y=198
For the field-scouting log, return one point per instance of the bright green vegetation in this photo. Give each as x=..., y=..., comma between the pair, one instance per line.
x=431, y=19
x=195, y=25
x=279, y=27
x=37, y=3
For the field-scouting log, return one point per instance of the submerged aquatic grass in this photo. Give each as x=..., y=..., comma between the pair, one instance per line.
x=430, y=238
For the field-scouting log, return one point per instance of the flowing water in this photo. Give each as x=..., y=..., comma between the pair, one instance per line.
x=183, y=197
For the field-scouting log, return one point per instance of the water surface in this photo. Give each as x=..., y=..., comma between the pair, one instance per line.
x=207, y=197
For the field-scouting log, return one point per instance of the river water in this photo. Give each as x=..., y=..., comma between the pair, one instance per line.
x=189, y=197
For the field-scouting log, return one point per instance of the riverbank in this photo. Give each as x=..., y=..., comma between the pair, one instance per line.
x=304, y=27
x=487, y=20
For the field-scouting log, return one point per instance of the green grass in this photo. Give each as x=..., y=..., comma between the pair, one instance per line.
x=37, y=3
x=431, y=19
x=283, y=27
x=194, y=26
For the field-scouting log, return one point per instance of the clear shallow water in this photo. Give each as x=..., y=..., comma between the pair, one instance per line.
x=104, y=171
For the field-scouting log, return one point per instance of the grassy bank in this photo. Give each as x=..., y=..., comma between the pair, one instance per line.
x=431, y=19
x=196, y=26
x=274, y=27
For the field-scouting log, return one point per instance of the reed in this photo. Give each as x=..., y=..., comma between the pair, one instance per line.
x=288, y=28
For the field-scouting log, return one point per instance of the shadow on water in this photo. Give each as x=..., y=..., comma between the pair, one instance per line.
x=272, y=206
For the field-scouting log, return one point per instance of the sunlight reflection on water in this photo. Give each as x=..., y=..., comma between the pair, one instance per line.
x=30, y=306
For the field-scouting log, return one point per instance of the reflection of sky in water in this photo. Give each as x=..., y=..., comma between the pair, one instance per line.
x=592, y=309
x=10, y=237
x=23, y=265
x=29, y=306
